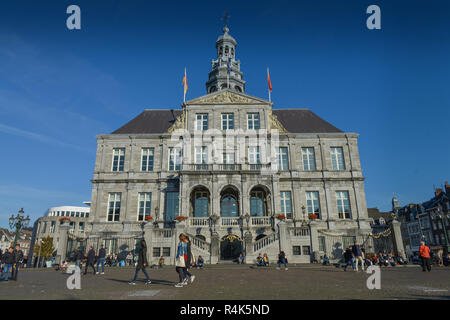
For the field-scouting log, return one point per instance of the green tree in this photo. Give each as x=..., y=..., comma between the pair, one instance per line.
x=46, y=247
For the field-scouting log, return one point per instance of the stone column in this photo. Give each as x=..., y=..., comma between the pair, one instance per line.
x=283, y=237
x=397, y=238
x=215, y=248
x=314, y=239
x=248, y=246
x=148, y=236
x=62, y=244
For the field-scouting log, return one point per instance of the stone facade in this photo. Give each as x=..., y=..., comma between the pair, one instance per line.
x=241, y=197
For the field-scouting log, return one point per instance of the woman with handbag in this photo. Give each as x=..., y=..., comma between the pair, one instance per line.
x=180, y=260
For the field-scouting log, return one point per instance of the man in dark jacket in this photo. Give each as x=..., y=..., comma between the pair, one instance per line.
x=18, y=255
x=8, y=259
x=357, y=253
x=348, y=257
x=90, y=260
x=101, y=258
x=78, y=257
x=142, y=263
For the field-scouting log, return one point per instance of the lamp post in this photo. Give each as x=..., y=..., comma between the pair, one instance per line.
x=18, y=223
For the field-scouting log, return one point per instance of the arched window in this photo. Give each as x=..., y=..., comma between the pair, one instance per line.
x=212, y=89
x=226, y=50
x=238, y=89
x=228, y=206
x=201, y=204
x=232, y=52
x=220, y=51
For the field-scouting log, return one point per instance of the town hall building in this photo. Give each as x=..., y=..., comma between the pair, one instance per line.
x=234, y=173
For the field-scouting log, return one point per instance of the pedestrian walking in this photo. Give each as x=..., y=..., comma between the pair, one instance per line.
x=142, y=263
x=101, y=259
x=188, y=276
x=90, y=260
x=357, y=253
x=348, y=258
x=181, y=260
x=78, y=257
x=424, y=252
x=18, y=256
x=8, y=260
x=282, y=259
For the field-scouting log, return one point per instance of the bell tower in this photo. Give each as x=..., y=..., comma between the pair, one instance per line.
x=226, y=70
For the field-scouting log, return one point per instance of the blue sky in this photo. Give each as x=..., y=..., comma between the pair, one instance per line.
x=60, y=88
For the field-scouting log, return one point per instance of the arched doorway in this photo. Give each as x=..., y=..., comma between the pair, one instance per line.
x=229, y=202
x=259, y=202
x=200, y=198
x=230, y=247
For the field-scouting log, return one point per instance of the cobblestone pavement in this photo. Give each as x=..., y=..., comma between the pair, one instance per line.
x=232, y=282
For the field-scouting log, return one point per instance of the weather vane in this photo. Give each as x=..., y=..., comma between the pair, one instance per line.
x=225, y=18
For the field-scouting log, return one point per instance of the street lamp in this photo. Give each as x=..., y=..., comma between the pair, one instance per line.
x=18, y=222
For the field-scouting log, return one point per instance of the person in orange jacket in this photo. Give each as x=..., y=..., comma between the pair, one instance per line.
x=424, y=252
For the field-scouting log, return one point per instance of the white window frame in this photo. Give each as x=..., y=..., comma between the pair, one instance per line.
x=311, y=197
x=228, y=158
x=177, y=154
x=254, y=155
x=200, y=120
x=120, y=153
x=339, y=162
x=148, y=152
x=283, y=201
x=279, y=159
x=201, y=155
x=340, y=203
x=115, y=197
x=306, y=155
x=145, y=197
x=252, y=118
x=227, y=119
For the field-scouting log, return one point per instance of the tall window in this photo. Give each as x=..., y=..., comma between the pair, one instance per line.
x=172, y=205
x=81, y=227
x=114, y=206
x=282, y=158
x=72, y=226
x=202, y=122
x=201, y=204
x=309, y=159
x=227, y=121
x=257, y=204
x=201, y=154
x=52, y=226
x=118, y=159
x=253, y=121
x=312, y=203
x=254, y=156
x=147, y=159
x=286, y=203
x=337, y=158
x=145, y=201
x=174, y=159
x=343, y=204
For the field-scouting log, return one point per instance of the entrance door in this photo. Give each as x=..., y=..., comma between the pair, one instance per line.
x=230, y=247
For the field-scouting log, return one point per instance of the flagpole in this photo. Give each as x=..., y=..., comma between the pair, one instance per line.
x=184, y=88
x=268, y=89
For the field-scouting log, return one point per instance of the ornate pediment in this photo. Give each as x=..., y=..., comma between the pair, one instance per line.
x=227, y=97
x=179, y=122
x=276, y=124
